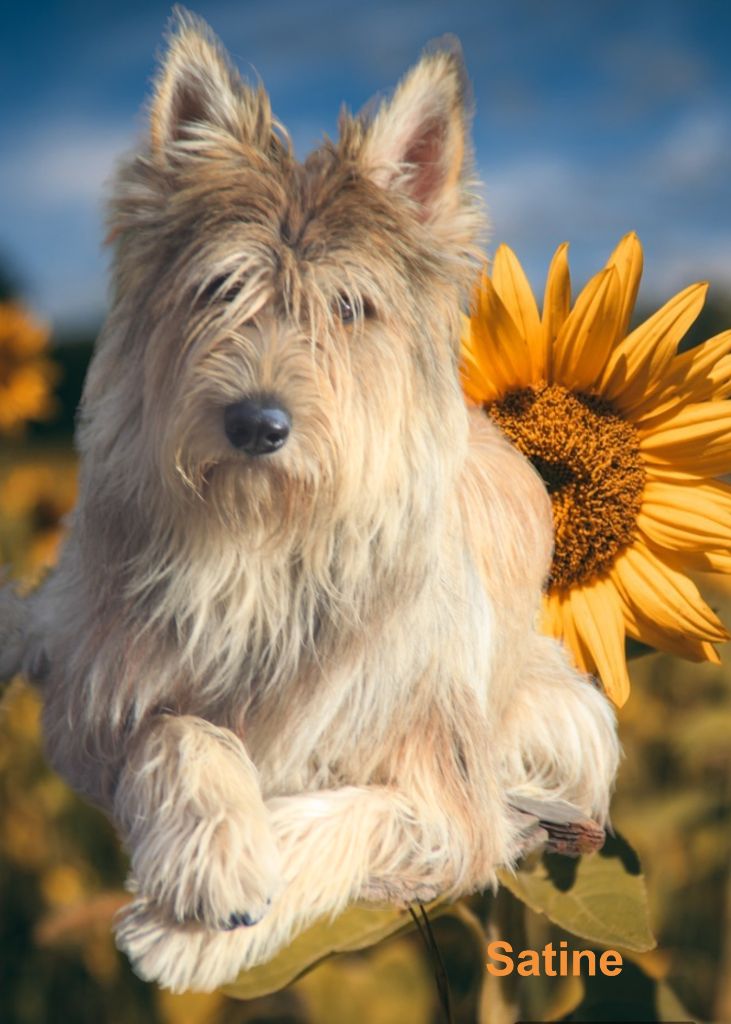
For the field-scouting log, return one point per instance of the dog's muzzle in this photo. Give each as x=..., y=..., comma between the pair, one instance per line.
x=257, y=426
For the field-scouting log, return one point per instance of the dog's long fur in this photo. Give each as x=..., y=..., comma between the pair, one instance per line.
x=314, y=676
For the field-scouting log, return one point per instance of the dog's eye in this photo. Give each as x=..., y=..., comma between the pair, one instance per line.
x=218, y=290
x=343, y=309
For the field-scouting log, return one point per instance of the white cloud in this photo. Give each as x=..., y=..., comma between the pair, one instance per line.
x=63, y=163
x=695, y=149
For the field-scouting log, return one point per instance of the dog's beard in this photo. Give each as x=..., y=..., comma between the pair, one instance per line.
x=264, y=499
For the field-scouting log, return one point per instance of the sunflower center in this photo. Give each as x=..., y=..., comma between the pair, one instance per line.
x=589, y=459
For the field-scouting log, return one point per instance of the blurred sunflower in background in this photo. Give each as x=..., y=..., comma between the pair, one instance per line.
x=35, y=497
x=27, y=376
x=628, y=436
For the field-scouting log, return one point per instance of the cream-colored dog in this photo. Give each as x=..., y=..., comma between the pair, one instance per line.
x=291, y=643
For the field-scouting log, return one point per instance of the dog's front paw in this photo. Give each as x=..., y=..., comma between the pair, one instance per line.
x=189, y=956
x=176, y=956
x=222, y=873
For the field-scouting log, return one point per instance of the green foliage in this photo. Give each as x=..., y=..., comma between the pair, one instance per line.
x=601, y=898
x=359, y=927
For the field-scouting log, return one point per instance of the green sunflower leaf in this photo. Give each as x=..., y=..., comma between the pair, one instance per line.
x=358, y=927
x=601, y=897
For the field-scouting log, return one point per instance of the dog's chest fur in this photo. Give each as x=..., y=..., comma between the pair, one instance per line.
x=300, y=653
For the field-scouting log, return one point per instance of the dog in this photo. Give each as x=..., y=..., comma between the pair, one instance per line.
x=291, y=644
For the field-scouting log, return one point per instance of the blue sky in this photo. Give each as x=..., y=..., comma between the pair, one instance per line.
x=592, y=118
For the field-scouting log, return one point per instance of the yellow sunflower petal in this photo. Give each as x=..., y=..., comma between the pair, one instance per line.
x=696, y=439
x=597, y=612
x=496, y=342
x=586, y=338
x=687, y=518
x=556, y=304
x=564, y=628
x=487, y=374
x=710, y=653
x=476, y=384
x=703, y=561
x=627, y=258
x=645, y=355
x=699, y=375
x=667, y=472
x=664, y=595
x=513, y=288
x=645, y=630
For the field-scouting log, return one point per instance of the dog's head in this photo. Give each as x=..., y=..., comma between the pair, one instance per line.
x=284, y=335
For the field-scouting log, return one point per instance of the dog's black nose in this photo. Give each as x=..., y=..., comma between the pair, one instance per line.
x=258, y=426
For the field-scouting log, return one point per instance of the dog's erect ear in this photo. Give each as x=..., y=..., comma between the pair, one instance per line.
x=197, y=85
x=416, y=142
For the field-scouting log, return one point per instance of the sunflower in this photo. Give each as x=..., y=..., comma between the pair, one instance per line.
x=35, y=498
x=629, y=436
x=26, y=374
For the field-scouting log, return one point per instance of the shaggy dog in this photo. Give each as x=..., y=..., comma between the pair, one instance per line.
x=291, y=643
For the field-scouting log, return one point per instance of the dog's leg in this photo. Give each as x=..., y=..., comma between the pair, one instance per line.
x=337, y=846
x=558, y=736
x=189, y=806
